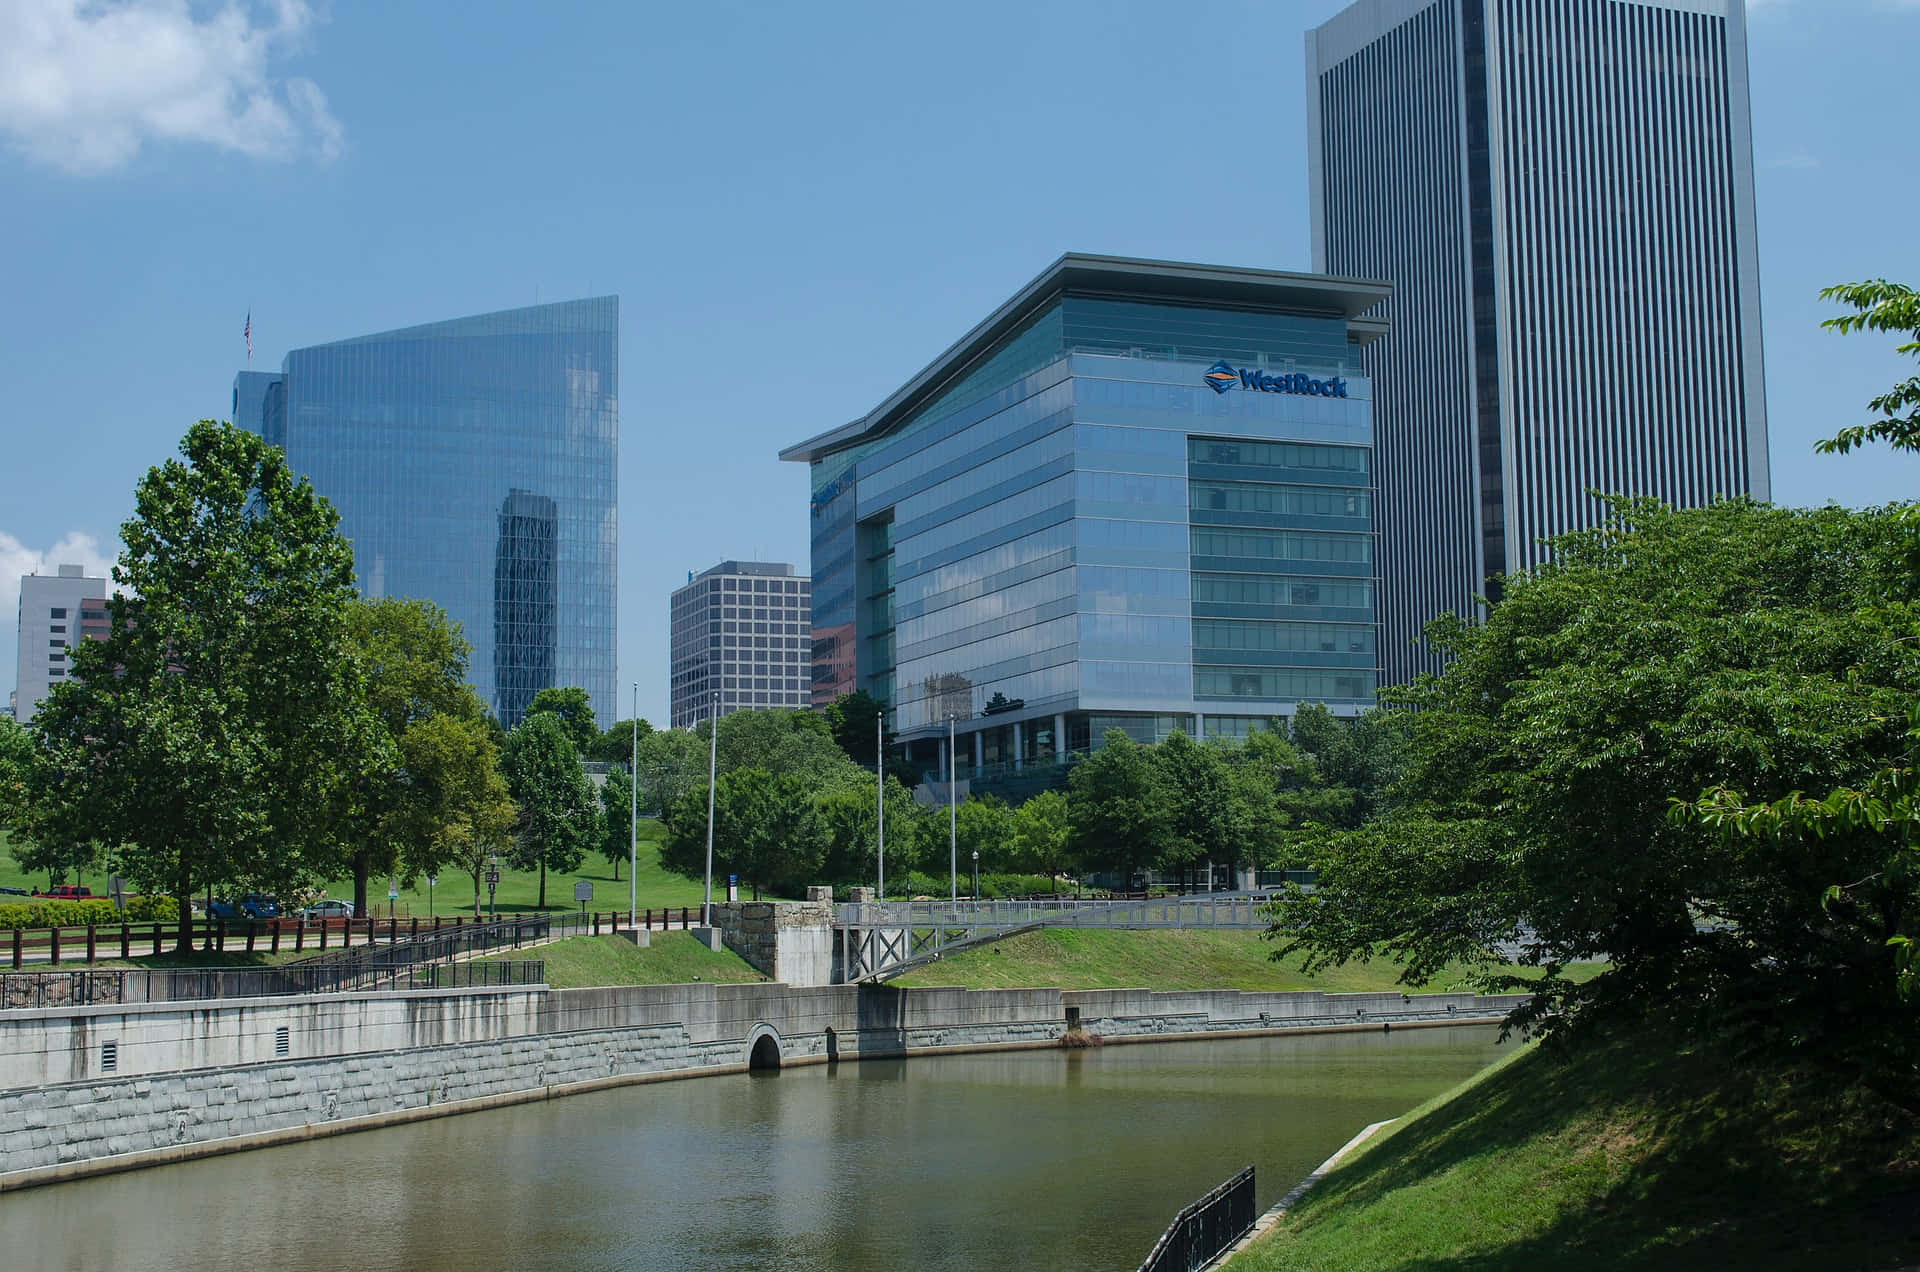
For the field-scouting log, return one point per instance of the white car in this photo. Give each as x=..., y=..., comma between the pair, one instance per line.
x=328, y=909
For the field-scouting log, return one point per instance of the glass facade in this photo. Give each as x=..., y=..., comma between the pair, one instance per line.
x=473, y=464
x=1087, y=532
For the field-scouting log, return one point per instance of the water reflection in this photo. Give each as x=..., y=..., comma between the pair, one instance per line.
x=1032, y=1159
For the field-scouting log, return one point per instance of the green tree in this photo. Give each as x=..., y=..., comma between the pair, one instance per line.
x=984, y=824
x=219, y=734
x=616, y=803
x=1762, y=650
x=1119, y=807
x=16, y=766
x=851, y=839
x=575, y=711
x=765, y=829
x=1879, y=305
x=851, y=717
x=558, y=816
x=615, y=746
x=414, y=660
x=1041, y=834
x=1300, y=791
x=671, y=761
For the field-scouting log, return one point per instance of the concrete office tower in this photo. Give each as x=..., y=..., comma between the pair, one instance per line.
x=473, y=463
x=56, y=612
x=1561, y=194
x=1133, y=497
x=741, y=640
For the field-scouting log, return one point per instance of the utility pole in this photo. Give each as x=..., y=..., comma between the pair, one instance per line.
x=880, y=793
x=953, y=820
x=713, y=762
x=633, y=816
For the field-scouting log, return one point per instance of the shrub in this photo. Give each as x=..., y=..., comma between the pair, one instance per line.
x=97, y=911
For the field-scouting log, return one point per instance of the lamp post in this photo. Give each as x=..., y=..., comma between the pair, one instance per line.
x=953, y=820
x=976, y=874
x=633, y=816
x=713, y=762
x=880, y=795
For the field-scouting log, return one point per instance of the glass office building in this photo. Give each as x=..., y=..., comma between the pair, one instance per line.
x=1137, y=496
x=473, y=464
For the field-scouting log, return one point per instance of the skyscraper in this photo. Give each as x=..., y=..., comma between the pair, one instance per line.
x=741, y=640
x=1561, y=193
x=473, y=464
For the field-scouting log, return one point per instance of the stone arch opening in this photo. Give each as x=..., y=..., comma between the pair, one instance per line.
x=765, y=1053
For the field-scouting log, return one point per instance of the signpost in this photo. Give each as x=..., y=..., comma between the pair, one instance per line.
x=431, y=880
x=493, y=881
x=393, y=894
x=583, y=893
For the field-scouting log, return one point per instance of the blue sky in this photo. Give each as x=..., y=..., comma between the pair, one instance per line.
x=799, y=206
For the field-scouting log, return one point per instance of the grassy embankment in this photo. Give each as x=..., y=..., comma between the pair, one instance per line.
x=1635, y=1154
x=674, y=958
x=1194, y=959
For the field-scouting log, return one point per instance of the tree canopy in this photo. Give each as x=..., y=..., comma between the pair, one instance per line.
x=574, y=710
x=220, y=732
x=558, y=818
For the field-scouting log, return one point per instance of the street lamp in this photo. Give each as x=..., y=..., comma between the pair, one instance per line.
x=713, y=761
x=633, y=816
x=880, y=793
x=976, y=874
x=953, y=820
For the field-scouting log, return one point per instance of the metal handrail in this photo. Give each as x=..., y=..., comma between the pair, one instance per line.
x=1210, y=1225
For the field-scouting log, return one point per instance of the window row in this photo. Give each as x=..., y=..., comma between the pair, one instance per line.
x=1223, y=633
x=1256, y=589
x=1282, y=545
x=1299, y=684
x=1299, y=501
x=1346, y=459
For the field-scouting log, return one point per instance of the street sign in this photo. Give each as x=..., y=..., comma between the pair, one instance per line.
x=432, y=879
x=583, y=891
x=393, y=892
x=493, y=877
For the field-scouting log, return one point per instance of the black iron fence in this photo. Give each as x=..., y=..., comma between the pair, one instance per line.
x=1203, y=1230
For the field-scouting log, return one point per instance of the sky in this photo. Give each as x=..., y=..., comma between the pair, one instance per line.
x=798, y=205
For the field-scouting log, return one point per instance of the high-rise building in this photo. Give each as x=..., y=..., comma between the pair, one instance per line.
x=741, y=640
x=1136, y=497
x=1561, y=194
x=473, y=464
x=57, y=611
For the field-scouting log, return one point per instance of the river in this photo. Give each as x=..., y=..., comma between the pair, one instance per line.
x=1028, y=1159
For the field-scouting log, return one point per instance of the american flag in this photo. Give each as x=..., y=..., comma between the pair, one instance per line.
x=247, y=331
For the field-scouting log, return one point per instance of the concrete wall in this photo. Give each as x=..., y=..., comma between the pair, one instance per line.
x=192, y=1080
x=791, y=941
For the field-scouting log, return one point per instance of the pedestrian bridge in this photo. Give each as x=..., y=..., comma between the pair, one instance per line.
x=878, y=940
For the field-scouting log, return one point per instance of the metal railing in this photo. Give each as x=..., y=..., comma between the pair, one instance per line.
x=27, y=990
x=1204, y=1229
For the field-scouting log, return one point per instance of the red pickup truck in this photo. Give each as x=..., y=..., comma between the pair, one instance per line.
x=66, y=892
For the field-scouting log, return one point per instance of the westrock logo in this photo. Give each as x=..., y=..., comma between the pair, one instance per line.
x=1223, y=376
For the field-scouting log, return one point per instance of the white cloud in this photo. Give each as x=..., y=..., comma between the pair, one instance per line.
x=85, y=83
x=74, y=548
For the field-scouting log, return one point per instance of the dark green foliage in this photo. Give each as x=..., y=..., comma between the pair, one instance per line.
x=575, y=711
x=615, y=746
x=558, y=818
x=1762, y=649
x=616, y=804
x=765, y=829
x=220, y=733
x=1119, y=808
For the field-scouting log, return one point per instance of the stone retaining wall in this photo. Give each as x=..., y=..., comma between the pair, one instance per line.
x=221, y=1076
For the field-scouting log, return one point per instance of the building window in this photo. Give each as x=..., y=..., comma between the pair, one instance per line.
x=59, y=613
x=58, y=627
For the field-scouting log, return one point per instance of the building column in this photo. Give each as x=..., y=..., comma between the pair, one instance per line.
x=942, y=769
x=1018, y=748
x=1199, y=726
x=979, y=761
x=1060, y=736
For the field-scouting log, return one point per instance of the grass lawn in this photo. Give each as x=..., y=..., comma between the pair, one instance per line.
x=1637, y=1154
x=1163, y=960
x=518, y=892
x=674, y=958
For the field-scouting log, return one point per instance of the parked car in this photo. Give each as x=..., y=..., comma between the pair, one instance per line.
x=224, y=911
x=66, y=892
x=258, y=905
x=328, y=909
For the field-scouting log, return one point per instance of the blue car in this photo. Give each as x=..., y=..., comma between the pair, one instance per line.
x=258, y=905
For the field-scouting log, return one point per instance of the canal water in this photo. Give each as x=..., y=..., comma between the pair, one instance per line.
x=1031, y=1159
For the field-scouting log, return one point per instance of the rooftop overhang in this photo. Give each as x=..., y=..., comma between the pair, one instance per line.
x=1124, y=278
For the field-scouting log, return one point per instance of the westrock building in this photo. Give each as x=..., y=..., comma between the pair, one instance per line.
x=1135, y=497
